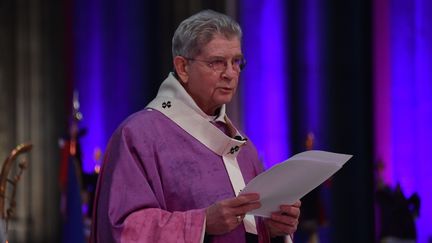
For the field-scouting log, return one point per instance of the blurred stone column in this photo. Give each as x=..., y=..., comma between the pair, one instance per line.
x=31, y=98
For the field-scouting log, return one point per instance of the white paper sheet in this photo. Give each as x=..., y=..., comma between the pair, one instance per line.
x=290, y=180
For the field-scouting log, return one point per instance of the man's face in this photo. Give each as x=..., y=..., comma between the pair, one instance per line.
x=212, y=88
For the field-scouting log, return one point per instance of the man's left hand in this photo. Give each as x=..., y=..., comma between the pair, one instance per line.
x=285, y=221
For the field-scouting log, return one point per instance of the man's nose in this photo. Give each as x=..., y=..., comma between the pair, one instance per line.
x=230, y=71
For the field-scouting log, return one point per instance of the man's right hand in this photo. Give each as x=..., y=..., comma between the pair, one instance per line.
x=226, y=215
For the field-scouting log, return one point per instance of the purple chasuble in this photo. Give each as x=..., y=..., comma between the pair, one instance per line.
x=157, y=180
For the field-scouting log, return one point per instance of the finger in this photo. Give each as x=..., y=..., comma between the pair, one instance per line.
x=235, y=220
x=243, y=209
x=290, y=210
x=281, y=228
x=240, y=200
x=297, y=204
x=240, y=218
x=284, y=219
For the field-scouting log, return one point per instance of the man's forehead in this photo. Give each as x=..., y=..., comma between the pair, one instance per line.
x=222, y=47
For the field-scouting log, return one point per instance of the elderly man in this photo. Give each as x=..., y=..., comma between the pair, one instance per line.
x=173, y=171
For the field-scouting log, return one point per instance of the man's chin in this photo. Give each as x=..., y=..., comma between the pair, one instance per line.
x=225, y=99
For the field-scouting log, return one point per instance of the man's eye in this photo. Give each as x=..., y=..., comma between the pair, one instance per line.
x=237, y=61
x=218, y=63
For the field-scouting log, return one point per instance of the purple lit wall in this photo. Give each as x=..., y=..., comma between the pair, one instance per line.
x=403, y=100
x=311, y=61
x=110, y=61
x=382, y=92
x=264, y=81
x=88, y=76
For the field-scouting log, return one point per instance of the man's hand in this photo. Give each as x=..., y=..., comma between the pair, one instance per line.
x=226, y=215
x=285, y=221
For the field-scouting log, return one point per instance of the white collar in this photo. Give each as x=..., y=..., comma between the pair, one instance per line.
x=171, y=87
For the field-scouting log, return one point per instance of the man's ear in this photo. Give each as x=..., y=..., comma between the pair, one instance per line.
x=180, y=65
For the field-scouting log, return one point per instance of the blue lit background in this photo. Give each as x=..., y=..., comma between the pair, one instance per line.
x=110, y=63
x=411, y=104
x=265, y=80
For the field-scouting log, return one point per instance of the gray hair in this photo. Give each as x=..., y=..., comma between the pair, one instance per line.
x=199, y=29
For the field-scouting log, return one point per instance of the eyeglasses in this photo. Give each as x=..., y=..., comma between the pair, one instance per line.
x=221, y=64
